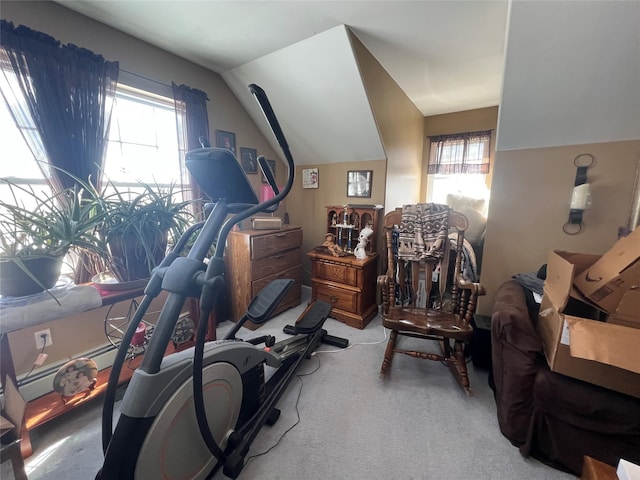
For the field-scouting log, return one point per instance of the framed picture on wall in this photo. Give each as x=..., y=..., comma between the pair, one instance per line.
x=272, y=166
x=249, y=159
x=310, y=178
x=226, y=140
x=359, y=183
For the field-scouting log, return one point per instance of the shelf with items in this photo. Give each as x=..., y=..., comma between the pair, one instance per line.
x=346, y=221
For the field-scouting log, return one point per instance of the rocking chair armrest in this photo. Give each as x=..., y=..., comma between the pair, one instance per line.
x=477, y=289
x=469, y=304
x=386, y=278
x=383, y=282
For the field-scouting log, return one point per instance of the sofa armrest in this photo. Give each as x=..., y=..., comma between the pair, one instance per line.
x=517, y=357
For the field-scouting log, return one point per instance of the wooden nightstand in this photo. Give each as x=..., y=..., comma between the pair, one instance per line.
x=348, y=284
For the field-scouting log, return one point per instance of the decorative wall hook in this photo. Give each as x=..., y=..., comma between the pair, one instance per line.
x=581, y=194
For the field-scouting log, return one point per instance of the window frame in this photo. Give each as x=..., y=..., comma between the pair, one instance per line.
x=154, y=100
x=178, y=184
x=482, y=181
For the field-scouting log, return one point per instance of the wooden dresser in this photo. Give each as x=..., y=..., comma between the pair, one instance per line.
x=348, y=284
x=255, y=257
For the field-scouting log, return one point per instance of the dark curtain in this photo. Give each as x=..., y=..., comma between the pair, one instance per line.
x=68, y=92
x=460, y=153
x=193, y=123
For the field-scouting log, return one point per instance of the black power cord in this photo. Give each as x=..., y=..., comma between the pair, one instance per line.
x=299, y=377
x=44, y=345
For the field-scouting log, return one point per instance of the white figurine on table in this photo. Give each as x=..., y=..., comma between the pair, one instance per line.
x=361, y=249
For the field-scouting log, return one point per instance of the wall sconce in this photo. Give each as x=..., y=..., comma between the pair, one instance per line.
x=581, y=194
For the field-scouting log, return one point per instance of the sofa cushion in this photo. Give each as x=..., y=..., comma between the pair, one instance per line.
x=516, y=327
x=517, y=358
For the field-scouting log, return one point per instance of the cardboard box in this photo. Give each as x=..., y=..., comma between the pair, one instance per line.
x=628, y=312
x=576, y=340
x=606, y=281
x=627, y=470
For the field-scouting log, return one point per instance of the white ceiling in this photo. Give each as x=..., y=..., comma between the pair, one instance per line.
x=447, y=56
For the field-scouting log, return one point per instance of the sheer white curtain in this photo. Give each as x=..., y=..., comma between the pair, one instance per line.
x=460, y=153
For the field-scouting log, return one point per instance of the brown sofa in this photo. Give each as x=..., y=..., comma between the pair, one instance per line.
x=549, y=416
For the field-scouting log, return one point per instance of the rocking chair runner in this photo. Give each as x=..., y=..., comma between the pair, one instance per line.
x=408, y=310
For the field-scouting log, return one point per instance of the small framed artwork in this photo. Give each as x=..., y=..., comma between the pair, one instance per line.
x=249, y=159
x=310, y=178
x=272, y=166
x=226, y=140
x=359, y=183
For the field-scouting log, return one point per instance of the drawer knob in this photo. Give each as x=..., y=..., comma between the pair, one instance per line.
x=333, y=299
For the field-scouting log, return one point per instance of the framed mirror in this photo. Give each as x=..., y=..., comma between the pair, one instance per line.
x=359, y=183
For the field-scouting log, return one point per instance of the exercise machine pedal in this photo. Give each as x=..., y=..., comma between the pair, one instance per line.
x=263, y=305
x=313, y=318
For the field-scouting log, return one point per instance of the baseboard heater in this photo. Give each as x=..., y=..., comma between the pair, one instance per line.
x=40, y=383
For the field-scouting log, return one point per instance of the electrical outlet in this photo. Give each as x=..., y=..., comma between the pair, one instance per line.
x=43, y=339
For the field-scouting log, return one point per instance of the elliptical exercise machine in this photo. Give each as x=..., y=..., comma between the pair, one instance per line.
x=186, y=415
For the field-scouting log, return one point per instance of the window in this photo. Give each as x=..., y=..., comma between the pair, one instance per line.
x=459, y=164
x=18, y=165
x=143, y=144
x=143, y=140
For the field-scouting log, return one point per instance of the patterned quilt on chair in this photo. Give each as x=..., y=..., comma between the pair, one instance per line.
x=423, y=231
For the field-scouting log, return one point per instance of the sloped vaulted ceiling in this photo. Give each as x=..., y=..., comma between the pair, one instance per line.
x=572, y=74
x=445, y=55
x=314, y=86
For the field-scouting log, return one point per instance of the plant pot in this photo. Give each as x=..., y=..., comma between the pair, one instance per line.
x=131, y=261
x=15, y=282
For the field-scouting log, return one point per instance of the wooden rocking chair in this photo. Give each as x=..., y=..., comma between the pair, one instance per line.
x=409, y=309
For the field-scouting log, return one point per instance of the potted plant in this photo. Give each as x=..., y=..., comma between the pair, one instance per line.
x=37, y=230
x=138, y=225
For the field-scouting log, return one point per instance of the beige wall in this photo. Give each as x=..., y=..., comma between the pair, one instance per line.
x=400, y=125
x=467, y=121
x=306, y=207
x=530, y=203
